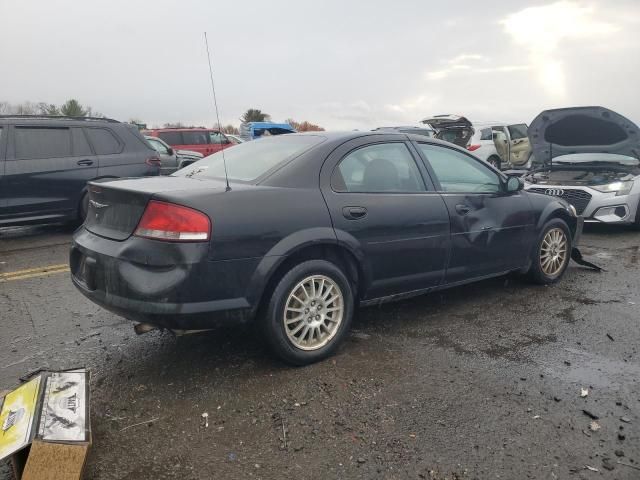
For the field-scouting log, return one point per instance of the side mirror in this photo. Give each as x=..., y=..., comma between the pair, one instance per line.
x=514, y=184
x=170, y=151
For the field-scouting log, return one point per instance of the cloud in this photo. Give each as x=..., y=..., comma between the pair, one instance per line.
x=470, y=63
x=543, y=30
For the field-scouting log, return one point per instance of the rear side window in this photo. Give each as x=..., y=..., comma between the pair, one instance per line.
x=384, y=167
x=103, y=141
x=485, y=134
x=37, y=142
x=217, y=138
x=517, y=131
x=80, y=145
x=172, y=138
x=195, y=138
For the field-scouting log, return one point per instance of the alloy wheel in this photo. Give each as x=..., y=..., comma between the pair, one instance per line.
x=313, y=312
x=553, y=252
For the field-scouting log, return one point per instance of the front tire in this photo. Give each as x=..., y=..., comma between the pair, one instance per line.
x=552, y=253
x=309, y=313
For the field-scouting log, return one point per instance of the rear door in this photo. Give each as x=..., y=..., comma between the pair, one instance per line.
x=197, y=141
x=109, y=147
x=384, y=207
x=46, y=171
x=519, y=147
x=491, y=231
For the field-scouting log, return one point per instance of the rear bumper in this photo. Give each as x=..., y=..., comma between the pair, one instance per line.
x=165, y=284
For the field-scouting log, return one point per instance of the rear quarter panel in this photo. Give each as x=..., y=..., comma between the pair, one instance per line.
x=259, y=221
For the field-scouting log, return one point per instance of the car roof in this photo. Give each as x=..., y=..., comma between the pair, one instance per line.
x=55, y=119
x=340, y=137
x=184, y=129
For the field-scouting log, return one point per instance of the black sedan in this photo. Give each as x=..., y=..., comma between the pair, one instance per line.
x=308, y=227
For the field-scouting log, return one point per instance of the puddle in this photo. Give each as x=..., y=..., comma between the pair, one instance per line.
x=595, y=370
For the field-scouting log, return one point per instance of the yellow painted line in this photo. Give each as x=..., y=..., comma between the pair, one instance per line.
x=33, y=272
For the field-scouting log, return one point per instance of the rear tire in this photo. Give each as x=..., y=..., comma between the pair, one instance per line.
x=309, y=313
x=495, y=161
x=552, y=253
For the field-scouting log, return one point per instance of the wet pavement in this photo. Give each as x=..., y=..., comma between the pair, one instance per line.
x=481, y=381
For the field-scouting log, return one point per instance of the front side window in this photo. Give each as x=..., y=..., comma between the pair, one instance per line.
x=158, y=146
x=103, y=141
x=42, y=142
x=195, y=138
x=458, y=172
x=384, y=167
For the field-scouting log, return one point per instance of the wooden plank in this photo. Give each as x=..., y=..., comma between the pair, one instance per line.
x=55, y=461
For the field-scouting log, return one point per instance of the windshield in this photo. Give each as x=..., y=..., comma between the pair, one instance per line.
x=582, y=158
x=251, y=160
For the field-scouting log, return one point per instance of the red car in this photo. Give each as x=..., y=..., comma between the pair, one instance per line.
x=202, y=140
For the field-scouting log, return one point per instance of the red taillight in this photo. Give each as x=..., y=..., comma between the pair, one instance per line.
x=173, y=223
x=471, y=148
x=153, y=161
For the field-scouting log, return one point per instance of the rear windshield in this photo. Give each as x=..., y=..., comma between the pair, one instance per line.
x=251, y=160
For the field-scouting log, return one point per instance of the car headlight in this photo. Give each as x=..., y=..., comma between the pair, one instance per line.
x=621, y=188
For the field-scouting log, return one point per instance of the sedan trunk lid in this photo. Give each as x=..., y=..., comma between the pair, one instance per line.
x=116, y=206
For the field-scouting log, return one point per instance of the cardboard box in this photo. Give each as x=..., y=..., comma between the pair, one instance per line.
x=45, y=426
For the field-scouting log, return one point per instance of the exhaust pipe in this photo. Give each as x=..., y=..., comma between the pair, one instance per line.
x=141, y=328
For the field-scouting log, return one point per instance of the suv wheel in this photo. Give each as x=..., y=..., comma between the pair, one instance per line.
x=309, y=313
x=495, y=161
x=552, y=253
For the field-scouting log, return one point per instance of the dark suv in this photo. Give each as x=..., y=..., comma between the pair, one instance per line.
x=46, y=162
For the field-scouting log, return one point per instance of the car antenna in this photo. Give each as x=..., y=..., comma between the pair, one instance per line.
x=215, y=104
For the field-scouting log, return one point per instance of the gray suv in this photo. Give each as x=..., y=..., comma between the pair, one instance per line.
x=46, y=162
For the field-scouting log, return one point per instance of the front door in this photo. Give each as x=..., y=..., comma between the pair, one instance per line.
x=384, y=207
x=46, y=171
x=491, y=230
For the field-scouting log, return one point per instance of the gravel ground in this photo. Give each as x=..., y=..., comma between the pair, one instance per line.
x=481, y=381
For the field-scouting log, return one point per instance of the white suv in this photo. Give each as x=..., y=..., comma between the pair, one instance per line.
x=503, y=146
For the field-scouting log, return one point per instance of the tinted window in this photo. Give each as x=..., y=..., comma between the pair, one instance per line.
x=517, y=131
x=385, y=167
x=172, y=138
x=158, y=146
x=103, y=141
x=195, y=138
x=81, y=147
x=250, y=160
x=485, y=134
x=33, y=142
x=217, y=137
x=458, y=172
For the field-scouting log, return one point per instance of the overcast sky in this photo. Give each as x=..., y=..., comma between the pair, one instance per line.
x=341, y=64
